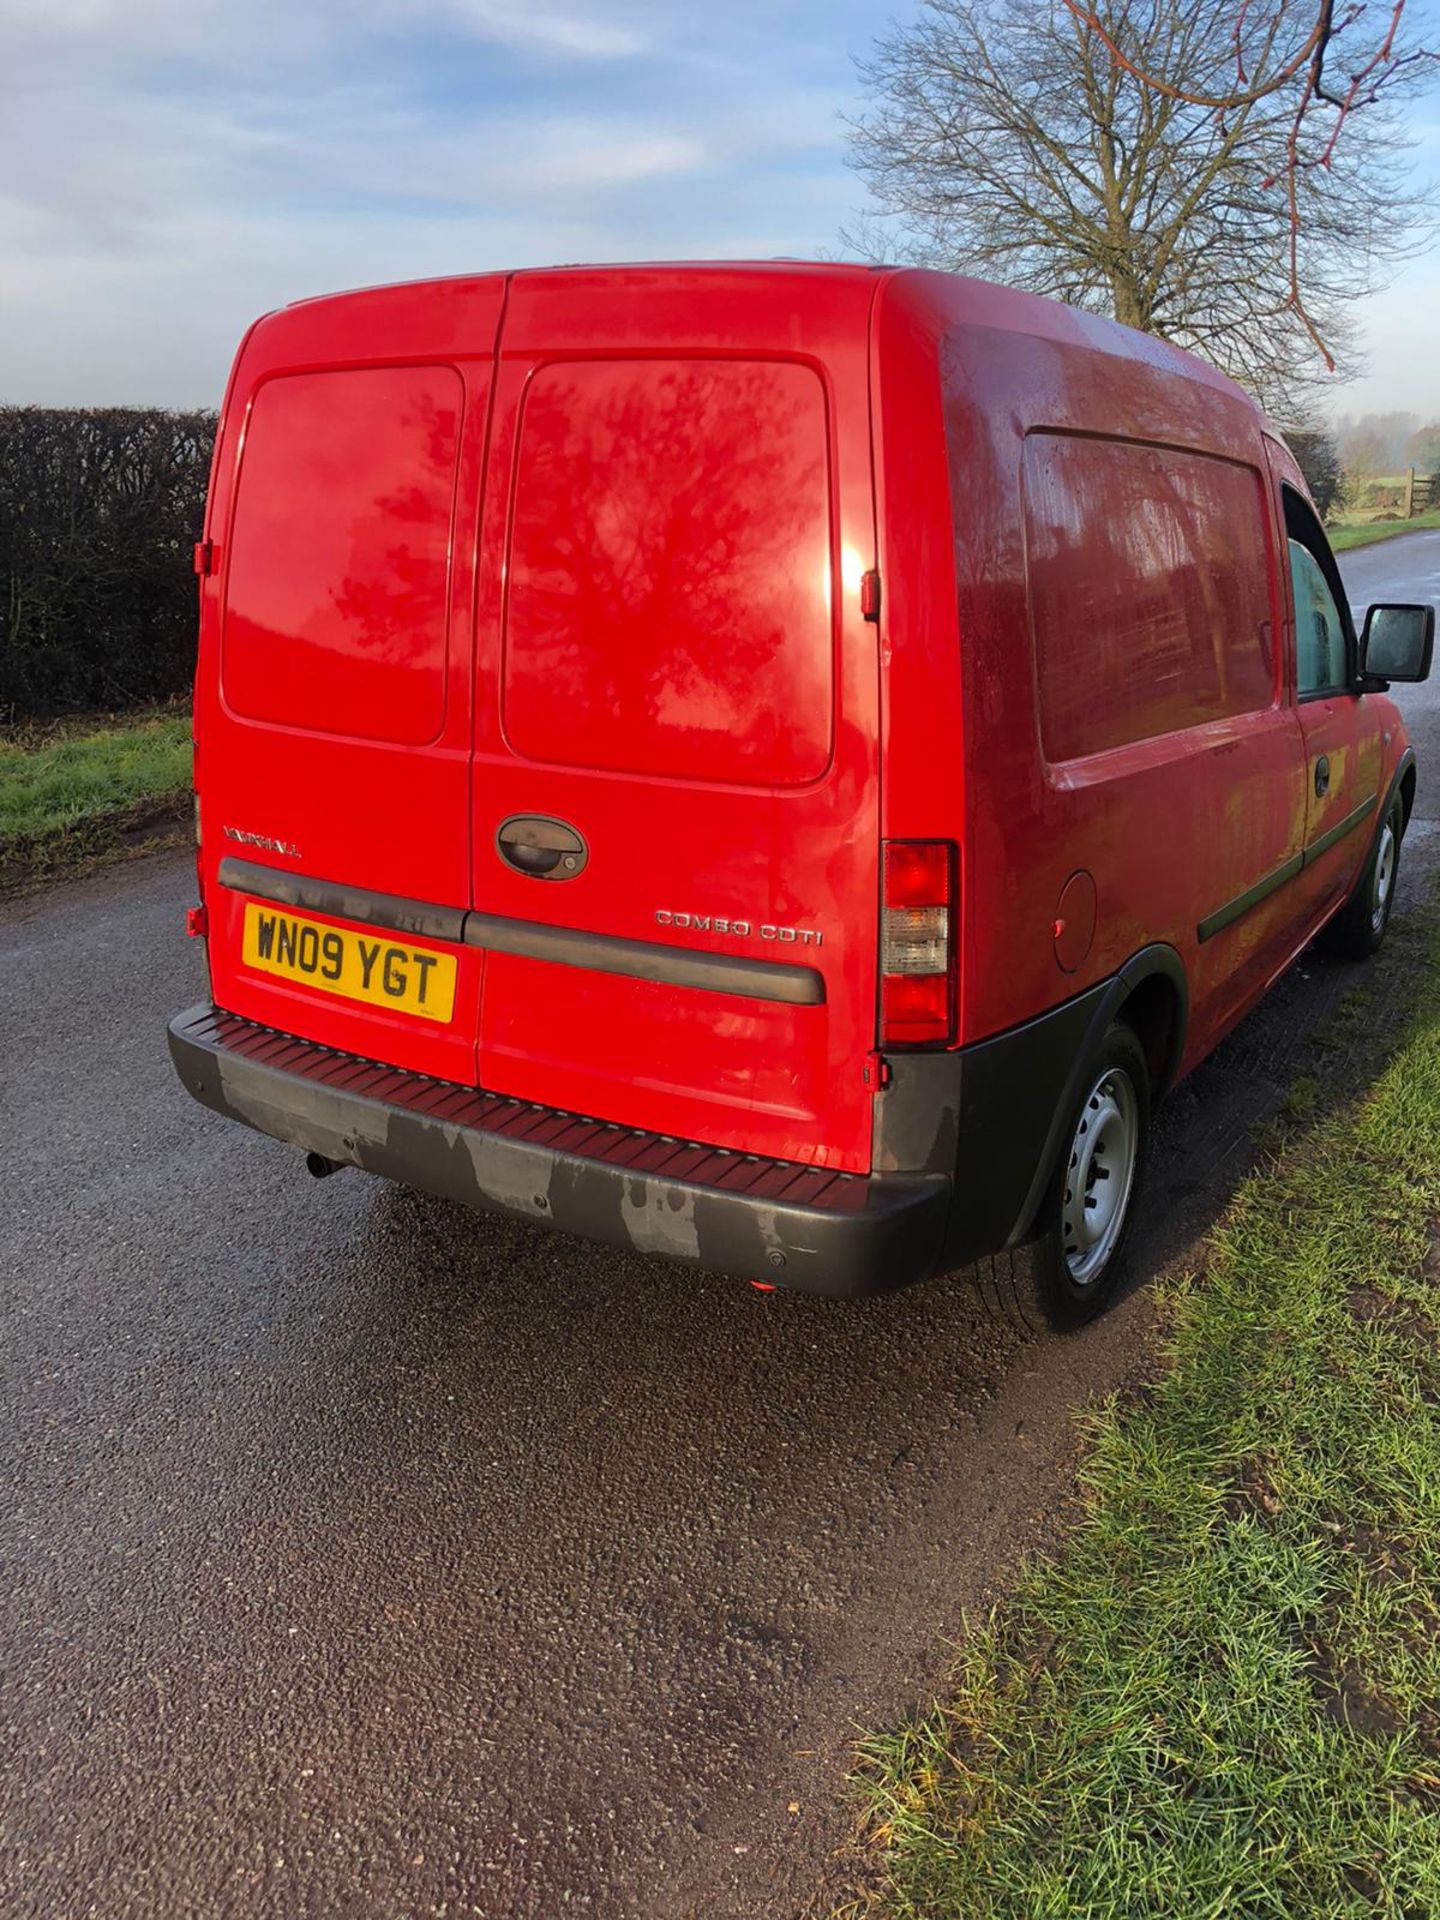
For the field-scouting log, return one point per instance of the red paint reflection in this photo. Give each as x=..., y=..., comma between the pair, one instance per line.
x=336, y=598
x=1147, y=578
x=669, y=605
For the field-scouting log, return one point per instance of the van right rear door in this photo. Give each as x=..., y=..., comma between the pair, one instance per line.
x=675, y=779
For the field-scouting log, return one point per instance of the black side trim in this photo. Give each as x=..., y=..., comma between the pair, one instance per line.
x=805, y=1227
x=1338, y=832
x=648, y=960
x=1252, y=896
x=1073, y=1045
x=344, y=903
x=997, y=1113
x=1242, y=903
x=1402, y=767
x=565, y=946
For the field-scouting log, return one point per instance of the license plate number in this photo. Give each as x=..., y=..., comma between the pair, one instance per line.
x=366, y=967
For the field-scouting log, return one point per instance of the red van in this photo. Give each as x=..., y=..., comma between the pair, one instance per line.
x=778, y=766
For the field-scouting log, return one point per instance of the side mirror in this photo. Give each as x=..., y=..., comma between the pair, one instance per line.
x=1397, y=643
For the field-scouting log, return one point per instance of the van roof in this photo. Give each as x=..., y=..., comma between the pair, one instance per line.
x=777, y=265
x=951, y=295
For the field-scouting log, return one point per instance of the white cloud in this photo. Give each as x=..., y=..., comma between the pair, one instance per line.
x=171, y=168
x=371, y=144
x=555, y=32
x=569, y=158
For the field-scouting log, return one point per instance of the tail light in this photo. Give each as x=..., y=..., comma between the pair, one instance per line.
x=917, y=944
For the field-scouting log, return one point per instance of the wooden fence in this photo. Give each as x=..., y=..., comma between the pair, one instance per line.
x=1395, y=496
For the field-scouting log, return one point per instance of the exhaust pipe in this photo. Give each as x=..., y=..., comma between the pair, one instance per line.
x=319, y=1168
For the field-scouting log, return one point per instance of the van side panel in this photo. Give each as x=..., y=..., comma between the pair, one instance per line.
x=1149, y=592
x=1155, y=643
x=1159, y=829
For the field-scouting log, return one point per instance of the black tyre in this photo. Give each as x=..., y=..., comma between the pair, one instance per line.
x=1359, y=927
x=1070, y=1272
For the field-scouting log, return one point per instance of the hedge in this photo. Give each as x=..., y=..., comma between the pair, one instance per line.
x=99, y=513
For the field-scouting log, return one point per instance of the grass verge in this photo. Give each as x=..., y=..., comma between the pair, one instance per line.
x=1343, y=538
x=73, y=794
x=1222, y=1698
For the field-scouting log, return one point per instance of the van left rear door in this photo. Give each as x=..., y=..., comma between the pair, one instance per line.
x=334, y=696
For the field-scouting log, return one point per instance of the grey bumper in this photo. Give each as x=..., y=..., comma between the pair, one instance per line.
x=802, y=1227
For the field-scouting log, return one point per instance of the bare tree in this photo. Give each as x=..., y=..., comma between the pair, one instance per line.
x=1176, y=163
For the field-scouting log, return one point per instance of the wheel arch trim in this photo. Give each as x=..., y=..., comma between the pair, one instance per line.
x=1158, y=961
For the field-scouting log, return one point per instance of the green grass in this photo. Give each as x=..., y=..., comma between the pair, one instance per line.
x=1342, y=538
x=1221, y=1701
x=69, y=793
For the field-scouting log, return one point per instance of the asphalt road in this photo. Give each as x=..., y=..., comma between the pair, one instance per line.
x=1403, y=569
x=364, y=1557
x=1406, y=568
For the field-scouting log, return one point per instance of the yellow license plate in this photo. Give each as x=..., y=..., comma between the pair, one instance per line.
x=357, y=966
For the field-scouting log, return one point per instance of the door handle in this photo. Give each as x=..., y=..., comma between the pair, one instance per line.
x=1322, y=774
x=544, y=849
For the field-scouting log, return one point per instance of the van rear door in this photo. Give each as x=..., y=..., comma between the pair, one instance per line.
x=675, y=805
x=333, y=700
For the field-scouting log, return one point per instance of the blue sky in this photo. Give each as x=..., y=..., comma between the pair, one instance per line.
x=170, y=168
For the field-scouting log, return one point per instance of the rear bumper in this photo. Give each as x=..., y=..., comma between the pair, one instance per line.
x=801, y=1227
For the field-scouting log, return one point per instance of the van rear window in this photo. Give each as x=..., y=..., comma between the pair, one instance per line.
x=1149, y=591
x=335, y=596
x=669, y=593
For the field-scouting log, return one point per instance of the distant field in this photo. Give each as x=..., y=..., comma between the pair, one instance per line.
x=76, y=791
x=1342, y=537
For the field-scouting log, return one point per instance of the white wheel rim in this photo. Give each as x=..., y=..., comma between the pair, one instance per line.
x=1384, y=875
x=1099, y=1174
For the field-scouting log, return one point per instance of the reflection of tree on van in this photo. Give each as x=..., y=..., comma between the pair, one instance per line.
x=393, y=591
x=669, y=566
x=1147, y=576
x=341, y=552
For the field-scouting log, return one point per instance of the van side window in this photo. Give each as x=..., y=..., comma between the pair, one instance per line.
x=1149, y=579
x=1319, y=629
x=1323, y=634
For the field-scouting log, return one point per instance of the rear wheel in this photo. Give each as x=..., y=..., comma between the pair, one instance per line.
x=1070, y=1272
x=1359, y=927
